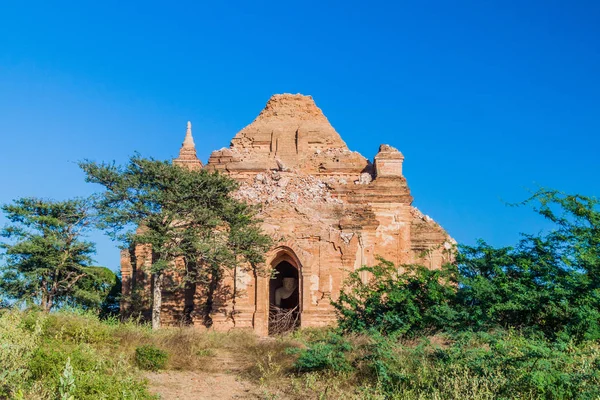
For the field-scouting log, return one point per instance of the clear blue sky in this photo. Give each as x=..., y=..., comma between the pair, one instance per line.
x=485, y=98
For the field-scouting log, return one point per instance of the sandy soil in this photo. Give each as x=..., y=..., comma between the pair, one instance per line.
x=221, y=380
x=175, y=385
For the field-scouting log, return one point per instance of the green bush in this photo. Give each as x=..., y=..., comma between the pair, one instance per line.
x=150, y=358
x=408, y=301
x=511, y=365
x=96, y=374
x=328, y=354
x=498, y=365
x=17, y=345
x=66, y=353
x=547, y=283
x=79, y=326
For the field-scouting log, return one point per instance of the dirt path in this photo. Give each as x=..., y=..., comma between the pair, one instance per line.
x=175, y=385
x=220, y=380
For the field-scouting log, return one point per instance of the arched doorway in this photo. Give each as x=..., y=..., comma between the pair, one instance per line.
x=284, y=296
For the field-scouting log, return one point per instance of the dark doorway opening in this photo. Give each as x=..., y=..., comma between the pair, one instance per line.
x=284, y=299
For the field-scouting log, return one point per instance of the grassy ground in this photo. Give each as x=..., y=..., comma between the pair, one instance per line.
x=71, y=355
x=36, y=348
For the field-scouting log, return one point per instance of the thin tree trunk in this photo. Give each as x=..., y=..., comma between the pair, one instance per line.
x=47, y=301
x=255, y=295
x=208, y=308
x=234, y=293
x=157, y=299
x=43, y=301
x=43, y=295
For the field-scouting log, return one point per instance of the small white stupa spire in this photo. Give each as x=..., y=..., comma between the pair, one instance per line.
x=189, y=139
x=187, y=153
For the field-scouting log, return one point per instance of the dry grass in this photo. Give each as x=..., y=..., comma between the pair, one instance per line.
x=272, y=367
x=268, y=363
x=264, y=361
x=188, y=348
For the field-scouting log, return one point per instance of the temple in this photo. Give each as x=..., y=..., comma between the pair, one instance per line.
x=328, y=209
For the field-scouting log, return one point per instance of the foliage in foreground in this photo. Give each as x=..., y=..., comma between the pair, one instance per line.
x=400, y=301
x=44, y=356
x=547, y=284
x=76, y=354
x=500, y=365
x=150, y=358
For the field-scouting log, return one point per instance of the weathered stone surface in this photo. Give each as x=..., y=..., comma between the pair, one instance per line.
x=328, y=209
x=388, y=162
x=290, y=134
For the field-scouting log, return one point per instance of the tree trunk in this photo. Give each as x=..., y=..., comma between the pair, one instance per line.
x=234, y=293
x=50, y=303
x=254, y=323
x=46, y=301
x=157, y=299
x=210, y=297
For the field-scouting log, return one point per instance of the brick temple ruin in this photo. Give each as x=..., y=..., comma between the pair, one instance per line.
x=328, y=209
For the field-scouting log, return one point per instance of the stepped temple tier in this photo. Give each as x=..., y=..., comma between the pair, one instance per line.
x=328, y=209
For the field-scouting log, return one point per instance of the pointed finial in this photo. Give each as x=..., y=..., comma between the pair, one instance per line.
x=187, y=153
x=189, y=139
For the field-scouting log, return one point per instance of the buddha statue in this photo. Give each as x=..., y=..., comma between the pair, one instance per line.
x=285, y=292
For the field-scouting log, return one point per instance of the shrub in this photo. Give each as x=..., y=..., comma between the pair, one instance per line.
x=519, y=366
x=63, y=353
x=96, y=374
x=150, y=358
x=329, y=354
x=77, y=326
x=67, y=382
x=503, y=364
x=407, y=300
x=548, y=283
x=17, y=345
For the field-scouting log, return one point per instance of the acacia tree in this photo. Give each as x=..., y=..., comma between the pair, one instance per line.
x=183, y=213
x=46, y=257
x=99, y=289
x=549, y=282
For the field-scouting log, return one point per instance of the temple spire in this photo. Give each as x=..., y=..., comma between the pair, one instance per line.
x=187, y=153
x=189, y=139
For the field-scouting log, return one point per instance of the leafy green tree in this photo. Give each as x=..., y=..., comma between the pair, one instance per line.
x=99, y=289
x=46, y=258
x=405, y=300
x=549, y=282
x=180, y=213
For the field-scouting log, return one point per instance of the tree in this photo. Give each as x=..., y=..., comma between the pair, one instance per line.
x=181, y=213
x=99, y=289
x=406, y=300
x=46, y=257
x=548, y=282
